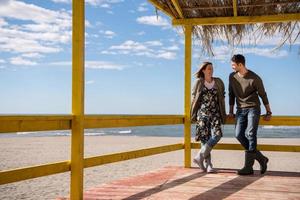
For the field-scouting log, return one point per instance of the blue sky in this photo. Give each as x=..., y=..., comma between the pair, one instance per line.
x=134, y=60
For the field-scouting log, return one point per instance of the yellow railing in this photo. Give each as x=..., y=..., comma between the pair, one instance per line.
x=64, y=122
x=78, y=120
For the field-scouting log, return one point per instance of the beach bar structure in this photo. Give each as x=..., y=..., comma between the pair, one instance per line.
x=192, y=16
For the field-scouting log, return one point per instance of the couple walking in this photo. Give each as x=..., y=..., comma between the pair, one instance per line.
x=208, y=111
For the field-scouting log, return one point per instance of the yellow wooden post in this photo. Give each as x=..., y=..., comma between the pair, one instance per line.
x=187, y=96
x=77, y=143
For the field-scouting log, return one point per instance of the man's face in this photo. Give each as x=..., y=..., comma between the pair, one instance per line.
x=235, y=66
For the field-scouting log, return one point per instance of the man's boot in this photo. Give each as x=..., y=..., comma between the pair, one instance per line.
x=249, y=161
x=263, y=161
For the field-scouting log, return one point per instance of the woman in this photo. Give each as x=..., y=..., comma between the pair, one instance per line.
x=208, y=110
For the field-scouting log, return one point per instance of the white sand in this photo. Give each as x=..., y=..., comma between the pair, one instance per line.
x=28, y=151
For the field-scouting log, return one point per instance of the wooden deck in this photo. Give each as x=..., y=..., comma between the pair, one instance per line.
x=181, y=183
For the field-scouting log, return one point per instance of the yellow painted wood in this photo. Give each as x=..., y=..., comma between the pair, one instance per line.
x=178, y=8
x=236, y=20
x=10, y=176
x=105, y=159
x=161, y=7
x=187, y=96
x=234, y=3
x=262, y=147
x=21, y=123
x=77, y=138
x=102, y=121
x=281, y=121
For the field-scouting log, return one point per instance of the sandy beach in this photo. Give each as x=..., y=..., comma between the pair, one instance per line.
x=19, y=152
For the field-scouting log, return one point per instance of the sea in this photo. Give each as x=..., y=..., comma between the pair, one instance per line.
x=162, y=131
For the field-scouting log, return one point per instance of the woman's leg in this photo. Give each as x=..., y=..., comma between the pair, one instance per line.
x=199, y=158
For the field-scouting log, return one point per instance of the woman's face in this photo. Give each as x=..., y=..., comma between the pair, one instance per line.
x=208, y=71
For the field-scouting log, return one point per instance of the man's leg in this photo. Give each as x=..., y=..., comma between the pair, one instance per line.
x=251, y=132
x=240, y=127
x=253, y=122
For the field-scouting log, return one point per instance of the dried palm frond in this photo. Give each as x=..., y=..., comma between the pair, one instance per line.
x=233, y=35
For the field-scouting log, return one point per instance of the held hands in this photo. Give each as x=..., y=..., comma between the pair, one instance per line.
x=267, y=116
x=231, y=115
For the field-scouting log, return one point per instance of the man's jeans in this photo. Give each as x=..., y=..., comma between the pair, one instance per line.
x=247, y=120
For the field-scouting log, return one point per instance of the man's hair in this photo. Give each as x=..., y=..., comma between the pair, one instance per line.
x=238, y=58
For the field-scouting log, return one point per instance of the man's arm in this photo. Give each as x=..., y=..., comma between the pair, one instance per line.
x=263, y=95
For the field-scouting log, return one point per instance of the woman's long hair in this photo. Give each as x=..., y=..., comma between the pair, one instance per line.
x=199, y=73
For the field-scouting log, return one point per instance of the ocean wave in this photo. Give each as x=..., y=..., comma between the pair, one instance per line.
x=95, y=134
x=125, y=132
x=280, y=127
x=25, y=133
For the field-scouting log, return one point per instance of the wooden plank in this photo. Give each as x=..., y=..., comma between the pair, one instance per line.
x=178, y=8
x=105, y=159
x=209, y=21
x=187, y=95
x=234, y=3
x=21, y=123
x=77, y=137
x=57, y=122
x=262, y=147
x=20, y=174
x=94, y=121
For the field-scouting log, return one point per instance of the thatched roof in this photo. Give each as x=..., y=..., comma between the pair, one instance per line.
x=285, y=19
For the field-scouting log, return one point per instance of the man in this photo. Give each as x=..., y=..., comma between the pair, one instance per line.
x=245, y=86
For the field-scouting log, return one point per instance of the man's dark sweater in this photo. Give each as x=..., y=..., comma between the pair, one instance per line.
x=246, y=90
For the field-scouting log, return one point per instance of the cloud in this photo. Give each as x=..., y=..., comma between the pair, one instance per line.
x=62, y=1
x=40, y=31
x=172, y=48
x=90, y=82
x=32, y=55
x=142, y=7
x=108, y=34
x=224, y=53
x=96, y=3
x=141, y=33
x=2, y=61
x=153, y=43
x=154, y=21
x=21, y=61
x=151, y=49
x=93, y=65
x=105, y=5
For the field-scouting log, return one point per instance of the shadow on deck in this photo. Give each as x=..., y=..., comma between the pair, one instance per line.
x=189, y=183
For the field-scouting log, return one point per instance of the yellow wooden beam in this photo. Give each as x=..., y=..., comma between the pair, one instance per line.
x=178, y=8
x=25, y=173
x=98, y=121
x=20, y=123
x=236, y=20
x=234, y=3
x=262, y=147
x=187, y=95
x=162, y=8
x=77, y=138
x=10, y=176
x=105, y=159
